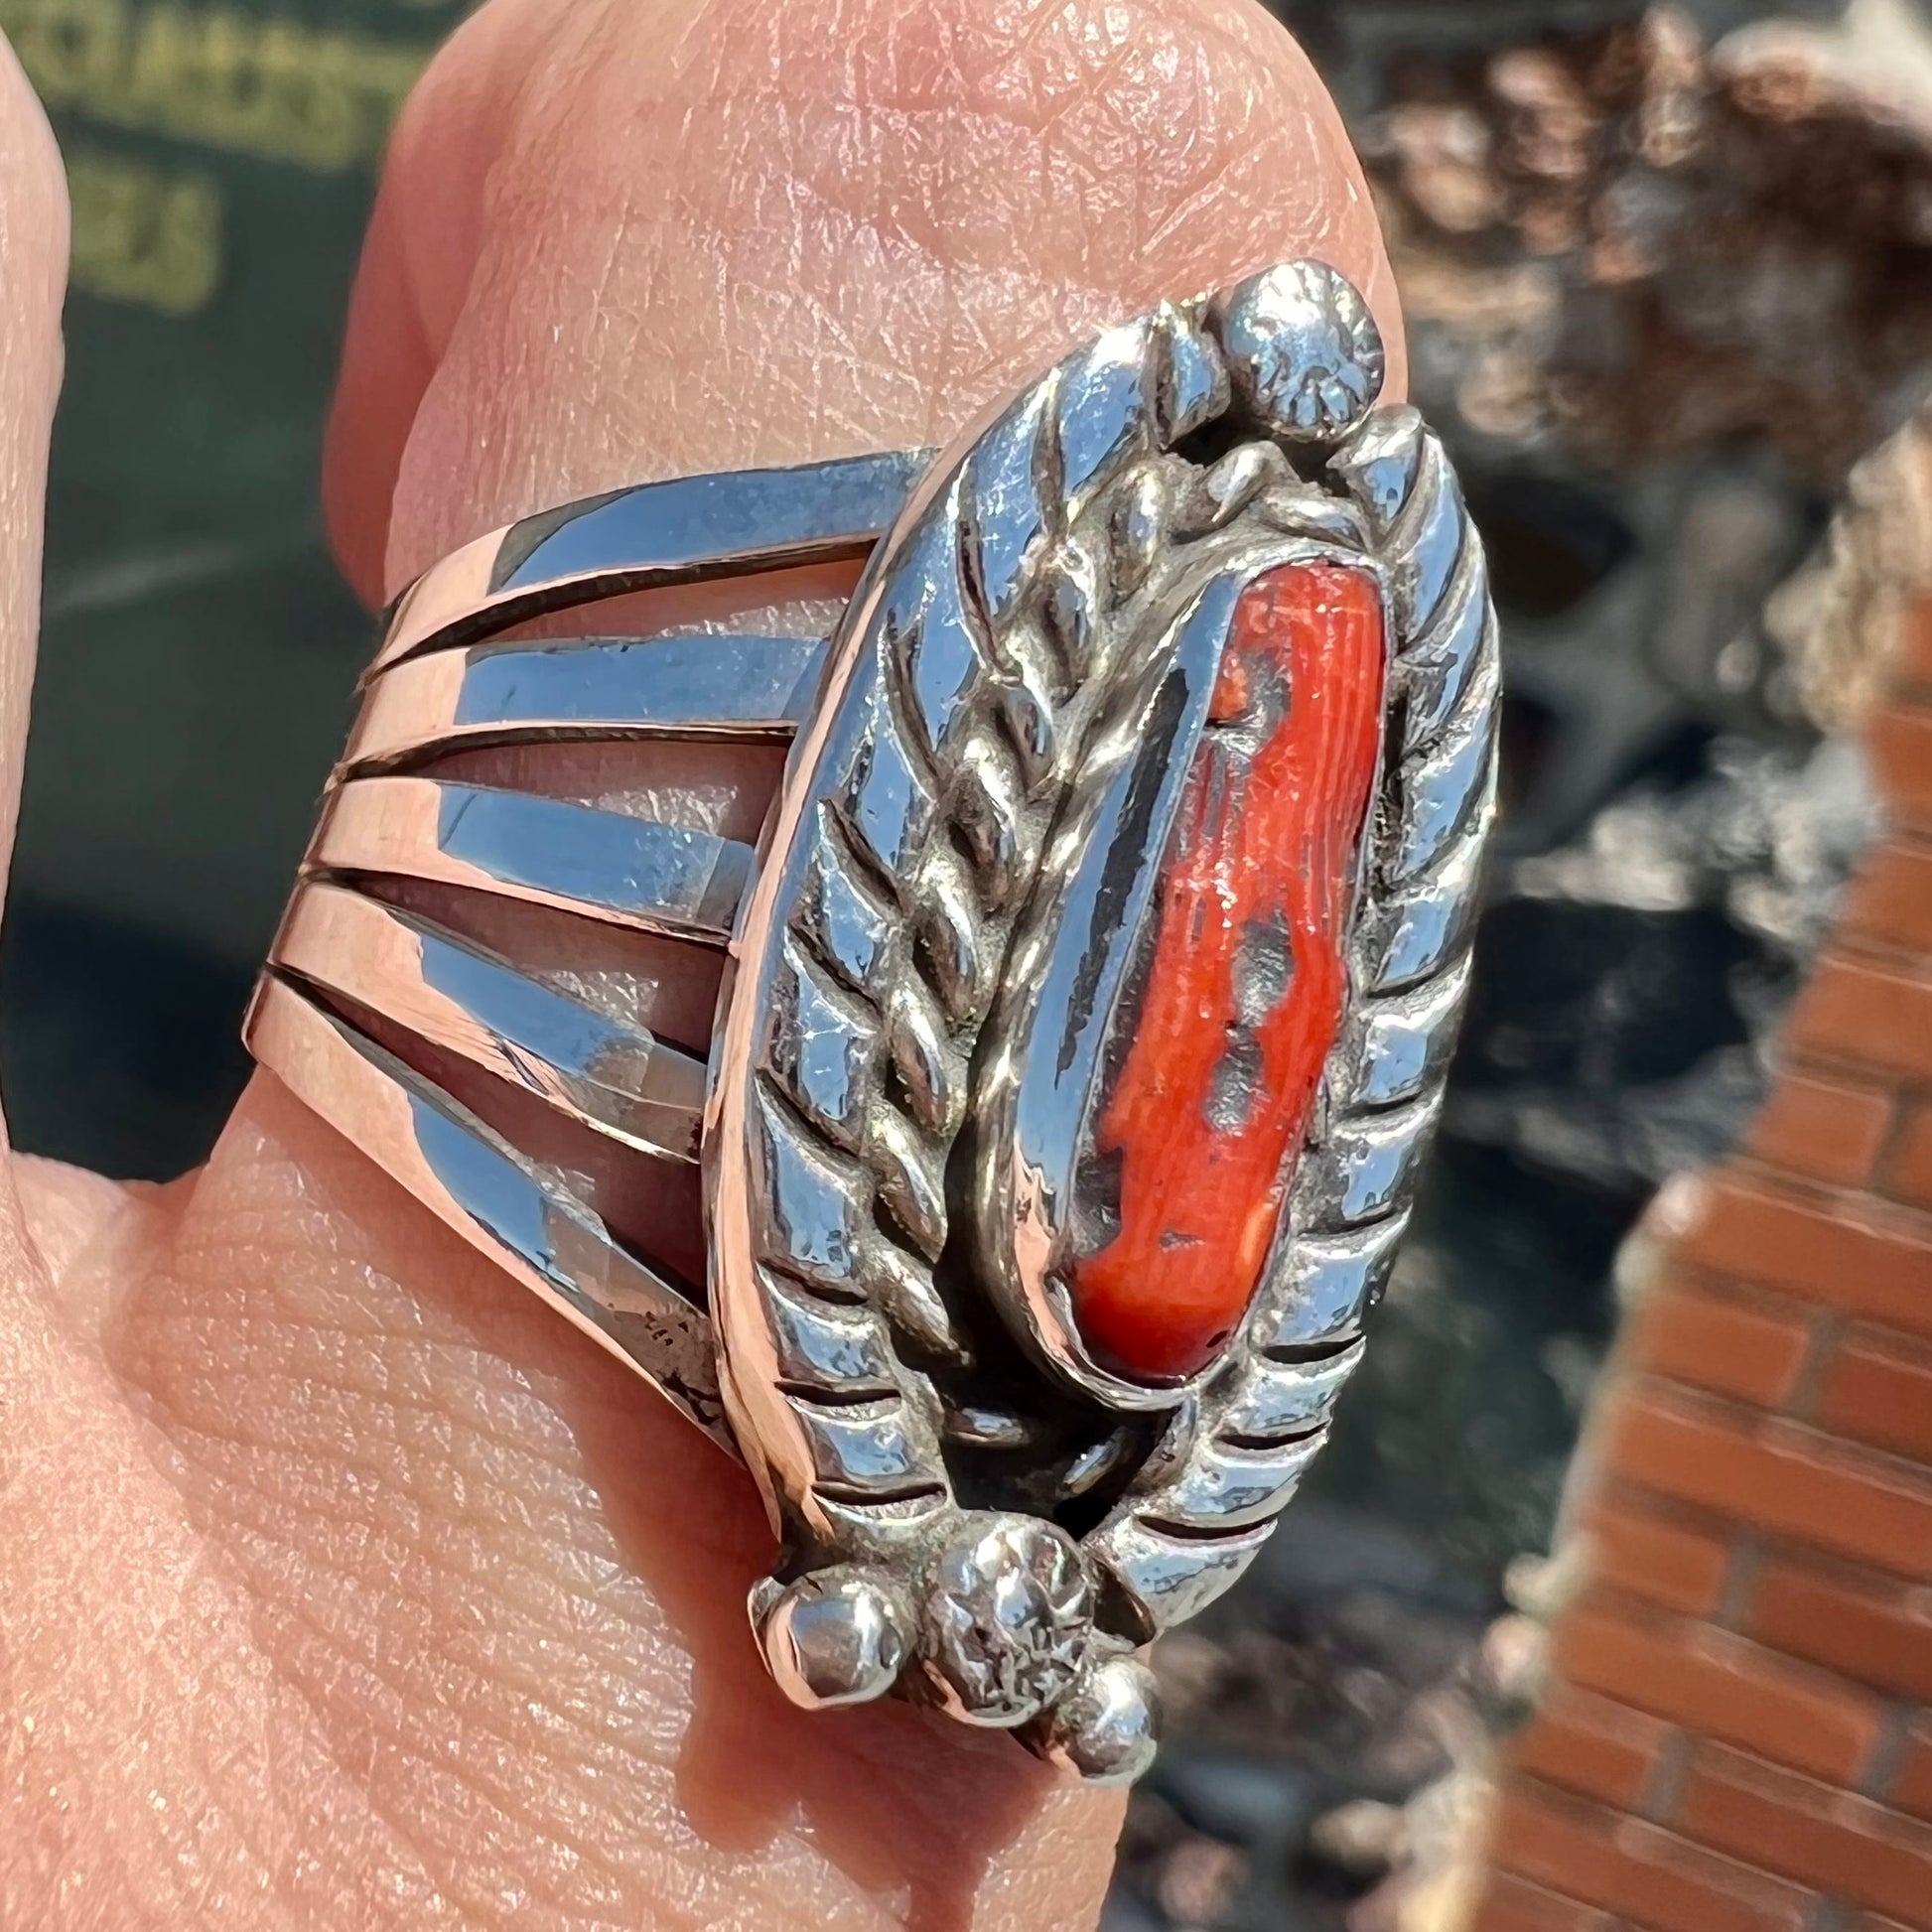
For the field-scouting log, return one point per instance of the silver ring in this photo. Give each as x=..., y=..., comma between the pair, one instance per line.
x=1082, y=1004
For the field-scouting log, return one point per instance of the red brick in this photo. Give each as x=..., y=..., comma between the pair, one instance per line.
x=1512, y=1904
x=1843, y=1844
x=1654, y=1556
x=1864, y=1264
x=1872, y=1631
x=1777, y=1475
x=1911, y=1788
x=1878, y=1391
x=1720, y=1684
x=1589, y=1744
x=1824, y=1130
x=1889, y=900
x=1898, y=740
x=1856, y=1011
x=1912, y=654
x=1908, y=1173
x=1721, y=1341
x=1634, y=1871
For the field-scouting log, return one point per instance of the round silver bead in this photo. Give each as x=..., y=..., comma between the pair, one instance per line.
x=1106, y=1727
x=1305, y=357
x=1006, y=1620
x=835, y=1638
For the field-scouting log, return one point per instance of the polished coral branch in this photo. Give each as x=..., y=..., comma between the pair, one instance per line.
x=1245, y=988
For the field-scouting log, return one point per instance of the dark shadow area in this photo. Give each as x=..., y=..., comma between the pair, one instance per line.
x=120, y=1052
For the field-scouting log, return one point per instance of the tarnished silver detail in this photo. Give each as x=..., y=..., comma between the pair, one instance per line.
x=1170, y=1576
x=1399, y=1044
x=1304, y=352
x=1006, y=1620
x=1105, y=1728
x=834, y=1637
x=1284, y=1399
x=1321, y=1288
x=924, y=978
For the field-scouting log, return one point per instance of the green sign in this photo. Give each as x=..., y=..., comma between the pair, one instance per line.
x=199, y=651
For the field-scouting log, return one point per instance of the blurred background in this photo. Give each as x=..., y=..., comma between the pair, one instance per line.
x=1669, y=279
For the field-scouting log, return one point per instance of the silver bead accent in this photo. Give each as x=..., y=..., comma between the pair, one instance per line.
x=1007, y=1620
x=1105, y=1728
x=1303, y=354
x=837, y=1636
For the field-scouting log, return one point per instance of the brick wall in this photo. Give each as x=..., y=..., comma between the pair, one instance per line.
x=1739, y=1732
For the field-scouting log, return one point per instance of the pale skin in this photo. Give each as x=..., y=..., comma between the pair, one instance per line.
x=341, y=1585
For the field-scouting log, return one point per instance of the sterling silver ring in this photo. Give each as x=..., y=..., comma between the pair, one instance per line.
x=1020, y=1108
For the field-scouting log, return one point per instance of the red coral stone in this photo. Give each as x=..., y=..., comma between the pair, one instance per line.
x=1246, y=981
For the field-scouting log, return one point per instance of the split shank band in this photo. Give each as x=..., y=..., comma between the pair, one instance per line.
x=1039, y=1083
